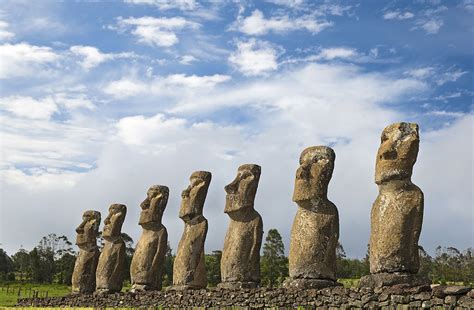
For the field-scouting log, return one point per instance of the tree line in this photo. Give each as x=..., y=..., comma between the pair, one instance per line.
x=52, y=261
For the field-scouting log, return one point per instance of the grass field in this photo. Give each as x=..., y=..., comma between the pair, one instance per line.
x=8, y=299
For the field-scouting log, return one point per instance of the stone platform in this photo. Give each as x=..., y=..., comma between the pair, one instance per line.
x=345, y=298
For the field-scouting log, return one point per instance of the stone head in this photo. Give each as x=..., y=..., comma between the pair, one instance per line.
x=153, y=206
x=397, y=152
x=241, y=191
x=194, y=196
x=314, y=173
x=88, y=230
x=113, y=222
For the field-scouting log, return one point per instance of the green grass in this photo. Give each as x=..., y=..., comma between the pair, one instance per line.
x=349, y=282
x=10, y=298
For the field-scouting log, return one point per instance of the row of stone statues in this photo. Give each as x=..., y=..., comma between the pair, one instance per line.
x=396, y=220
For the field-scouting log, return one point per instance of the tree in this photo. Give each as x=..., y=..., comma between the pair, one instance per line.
x=65, y=268
x=213, y=268
x=274, y=264
x=6, y=266
x=129, y=251
x=168, y=266
x=21, y=262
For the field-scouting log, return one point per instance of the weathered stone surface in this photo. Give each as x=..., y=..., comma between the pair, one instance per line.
x=189, y=269
x=240, y=263
x=394, y=279
x=112, y=263
x=443, y=290
x=315, y=232
x=83, y=276
x=397, y=213
x=329, y=298
x=148, y=260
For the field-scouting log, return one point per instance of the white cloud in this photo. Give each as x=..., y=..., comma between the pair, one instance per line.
x=431, y=26
x=421, y=73
x=195, y=81
x=187, y=59
x=29, y=107
x=5, y=35
x=437, y=75
x=287, y=3
x=448, y=96
x=337, y=52
x=155, y=31
x=451, y=75
x=254, y=57
x=398, y=15
x=313, y=104
x=125, y=87
x=431, y=21
x=23, y=59
x=257, y=24
x=168, y=85
x=446, y=113
x=167, y=4
x=138, y=130
x=44, y=108
x=92, y=57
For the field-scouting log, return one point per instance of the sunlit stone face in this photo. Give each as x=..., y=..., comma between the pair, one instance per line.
x=113, y=222
x=194, y=196
x=314, y=173
x=153, y=206
x=397, y=152
x=88, y=230
x=241, y=191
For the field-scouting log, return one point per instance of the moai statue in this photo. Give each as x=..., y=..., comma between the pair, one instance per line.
x=149, y=257
x=397, y=213
x=83, y=277
x=189, y=269
x=112, y=260
x=240, y=263
x=315, y=232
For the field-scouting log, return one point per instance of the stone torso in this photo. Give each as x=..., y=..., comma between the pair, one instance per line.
x=111, y=266
x=83, y=277
x=314, y=239
x=241, y=254
x=396, y=219
x=147, y=262
x=189, y=266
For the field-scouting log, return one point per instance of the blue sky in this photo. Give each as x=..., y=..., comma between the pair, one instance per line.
x=100, y=100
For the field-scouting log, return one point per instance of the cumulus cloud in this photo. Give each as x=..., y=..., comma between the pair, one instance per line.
x=254, y=57
x=398, y=15
x=29, y=107
x=92, y=56
x=167, y=4
x=295, y=109
x=23, y=59
x=131, y=86
x=155, y=31
x=287, y=3
x=257, y=24
x=187, y=59
x=5, y=35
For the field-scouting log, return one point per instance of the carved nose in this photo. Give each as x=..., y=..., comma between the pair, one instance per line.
x=185, y=193
x=80, y=228
x=232, y=187
x=302, y=172
x=389, y=154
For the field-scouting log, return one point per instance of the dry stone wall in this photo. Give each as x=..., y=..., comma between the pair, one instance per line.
x=395, y=297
